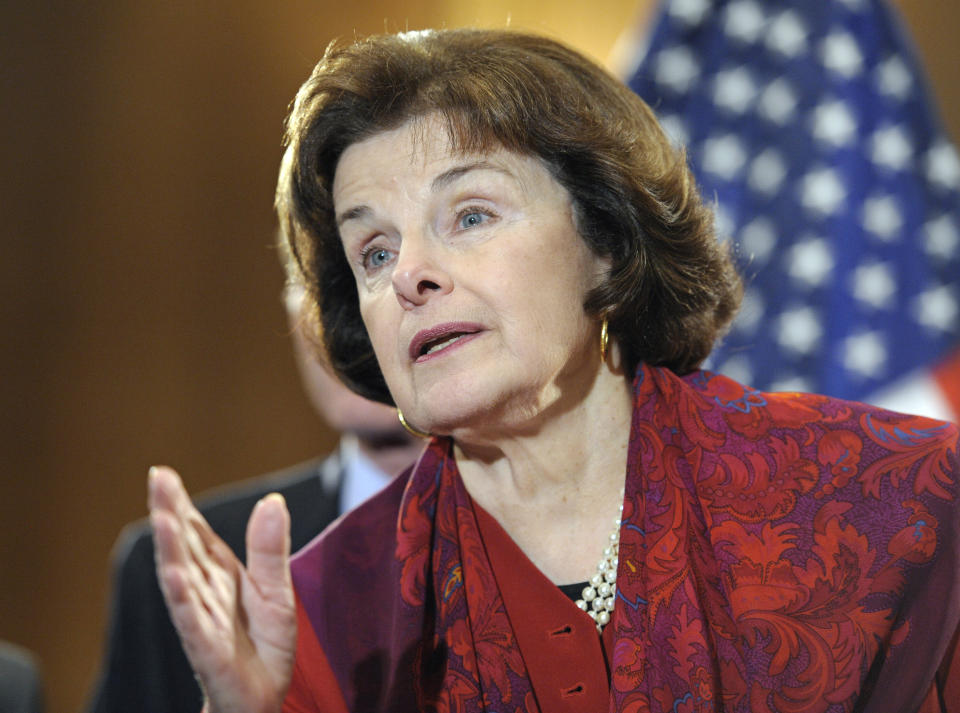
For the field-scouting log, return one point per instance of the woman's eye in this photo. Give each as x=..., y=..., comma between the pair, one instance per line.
x=472, y=219
x=375, y=258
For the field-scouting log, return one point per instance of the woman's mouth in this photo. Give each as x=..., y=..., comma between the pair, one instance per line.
x=432, y=342
x=432, y=347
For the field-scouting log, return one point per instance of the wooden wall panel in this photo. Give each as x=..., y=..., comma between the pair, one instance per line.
x=140, y=312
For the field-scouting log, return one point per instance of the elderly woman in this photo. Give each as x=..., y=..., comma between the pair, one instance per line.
x=497, y=238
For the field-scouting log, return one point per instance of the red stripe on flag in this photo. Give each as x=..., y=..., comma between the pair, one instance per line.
x=947, y=376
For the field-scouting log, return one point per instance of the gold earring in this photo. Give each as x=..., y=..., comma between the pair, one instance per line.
x=410, y=429
x=604, y=339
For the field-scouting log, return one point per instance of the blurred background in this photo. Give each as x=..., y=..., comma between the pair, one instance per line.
x=141, y=317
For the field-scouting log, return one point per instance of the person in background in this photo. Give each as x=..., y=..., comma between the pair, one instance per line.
x=21, y=685
x=144, y=668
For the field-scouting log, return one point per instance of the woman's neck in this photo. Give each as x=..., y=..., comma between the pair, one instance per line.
x=556, y=483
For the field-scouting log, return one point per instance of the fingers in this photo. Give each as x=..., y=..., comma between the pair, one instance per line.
x=171, y=551
x=178, y=580
x=197, y=571
x=167, y=494
x=268, y=544
x=273, y=623
x=164, y=488
x=238, y=628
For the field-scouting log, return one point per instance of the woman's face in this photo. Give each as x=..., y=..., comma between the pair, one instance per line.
x=471, y=278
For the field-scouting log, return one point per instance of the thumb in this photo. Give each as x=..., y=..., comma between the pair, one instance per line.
x=268, y=544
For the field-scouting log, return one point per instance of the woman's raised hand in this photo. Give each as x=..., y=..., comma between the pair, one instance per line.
x=237, y=624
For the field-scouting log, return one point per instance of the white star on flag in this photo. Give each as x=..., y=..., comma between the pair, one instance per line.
x=891, y=148
x=822, y=191
x=677, y=69
x=882, y=217
x=834, y=123
x=787, y=35
x=893, y=78
x=841, y=54
x=874, y=284
x=689, y=12
x=744, y=21
x=735, y=90
x=800, y=330
x=724, y=156
x=810, y=262
x=865, y=354
x=943, y=166
x=942, y=237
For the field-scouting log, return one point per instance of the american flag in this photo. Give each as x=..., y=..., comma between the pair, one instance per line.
x=810, y=127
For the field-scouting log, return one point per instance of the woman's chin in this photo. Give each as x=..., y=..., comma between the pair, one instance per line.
x=479, y=407
x=454, y=417
x=489, y=421
x=443, y=424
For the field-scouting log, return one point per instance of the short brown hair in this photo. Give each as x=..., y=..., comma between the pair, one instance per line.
x=672, y=288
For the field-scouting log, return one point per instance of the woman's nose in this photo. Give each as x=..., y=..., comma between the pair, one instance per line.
x=418, y=275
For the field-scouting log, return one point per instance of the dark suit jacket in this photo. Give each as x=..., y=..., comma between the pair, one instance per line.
x=144, y=667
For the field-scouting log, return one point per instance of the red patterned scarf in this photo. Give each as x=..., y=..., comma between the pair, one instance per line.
x=778, y=553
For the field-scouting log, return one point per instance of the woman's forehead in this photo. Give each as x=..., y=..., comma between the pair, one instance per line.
x=424, y=152
x=420, y=141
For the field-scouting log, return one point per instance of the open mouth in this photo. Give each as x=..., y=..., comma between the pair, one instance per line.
x=438, y=344
x=432, y=341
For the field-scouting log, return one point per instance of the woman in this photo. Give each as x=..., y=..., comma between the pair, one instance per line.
x=497, y=238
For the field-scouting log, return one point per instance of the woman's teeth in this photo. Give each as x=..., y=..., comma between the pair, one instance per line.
x=440, y=345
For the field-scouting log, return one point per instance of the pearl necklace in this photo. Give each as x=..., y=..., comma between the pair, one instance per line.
x=600, y=594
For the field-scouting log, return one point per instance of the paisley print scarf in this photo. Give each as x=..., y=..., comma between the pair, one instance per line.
x=779, y=552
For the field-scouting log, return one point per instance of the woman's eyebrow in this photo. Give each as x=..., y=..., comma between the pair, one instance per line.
x=356, y=213
x=450, y=175
x=439, y=182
